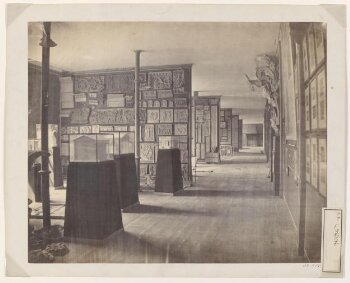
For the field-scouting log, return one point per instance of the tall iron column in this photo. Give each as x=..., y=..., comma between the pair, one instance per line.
x=46, y=43
x=137, y=116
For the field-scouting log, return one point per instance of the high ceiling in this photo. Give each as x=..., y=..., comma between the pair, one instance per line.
x=220, y=52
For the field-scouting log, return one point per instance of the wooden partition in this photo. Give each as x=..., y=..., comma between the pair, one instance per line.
x=206, y=111
x=226, y=144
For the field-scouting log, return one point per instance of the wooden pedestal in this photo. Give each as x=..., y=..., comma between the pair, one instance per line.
x=92, y=200
x=169, y=175
x=127, y=179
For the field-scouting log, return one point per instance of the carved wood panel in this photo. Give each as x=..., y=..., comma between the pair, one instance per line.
x=89, y=83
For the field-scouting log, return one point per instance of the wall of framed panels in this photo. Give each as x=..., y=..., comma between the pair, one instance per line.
x=225, y=131
x=102, y=102
x=315, y=100
x=206, y=112
x=316, y=105
x=304, y=168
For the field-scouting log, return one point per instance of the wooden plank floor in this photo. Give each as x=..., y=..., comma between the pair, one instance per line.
x=229, y=216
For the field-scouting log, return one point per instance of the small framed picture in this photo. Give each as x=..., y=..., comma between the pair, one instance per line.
x=322, y=100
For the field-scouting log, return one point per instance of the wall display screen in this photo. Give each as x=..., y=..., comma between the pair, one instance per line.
x=103, y=103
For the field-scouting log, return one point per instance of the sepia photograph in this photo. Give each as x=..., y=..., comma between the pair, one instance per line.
x=179, y=141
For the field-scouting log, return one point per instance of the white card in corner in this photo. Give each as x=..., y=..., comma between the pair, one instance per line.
x=332, y=240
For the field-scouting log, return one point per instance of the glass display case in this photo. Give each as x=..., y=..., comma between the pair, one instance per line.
x=91, y=147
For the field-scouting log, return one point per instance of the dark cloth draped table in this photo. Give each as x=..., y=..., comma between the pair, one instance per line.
x=169, y=174
x=92, y=200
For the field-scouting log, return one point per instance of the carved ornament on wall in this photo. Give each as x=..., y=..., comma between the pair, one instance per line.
x=268, y=79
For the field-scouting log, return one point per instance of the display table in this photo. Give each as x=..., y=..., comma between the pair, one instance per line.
x=126, y=172
x=169, y=174
x=92, y=200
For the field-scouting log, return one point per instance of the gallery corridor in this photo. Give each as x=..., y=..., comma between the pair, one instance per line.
x=230, y=215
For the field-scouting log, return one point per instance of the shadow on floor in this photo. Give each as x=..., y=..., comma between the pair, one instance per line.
x=146, y=208
x=223, y=193
x=242, y=161
x=121, y=247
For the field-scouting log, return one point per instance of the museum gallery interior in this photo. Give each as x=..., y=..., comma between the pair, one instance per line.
x=176, y=142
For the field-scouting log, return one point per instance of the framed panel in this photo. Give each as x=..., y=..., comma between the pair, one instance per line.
x=152, y=115
x=166, y=115
x=312, y=53
x=165, y=93
x=164, y=129
x=314, y=114
x=314, y=162
x=115, y=100
x=148, y=133
x=147, y=153
x=120, y=83
x=180, y=129
x=307, y=109
x=214, y=126
x=322, y=157
x=199, y=133
x=180, y=115
x=305, y=59
x=322, y=100
x=156, y=103
x=308, y=160
x=319, y=42
x=160, y=80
